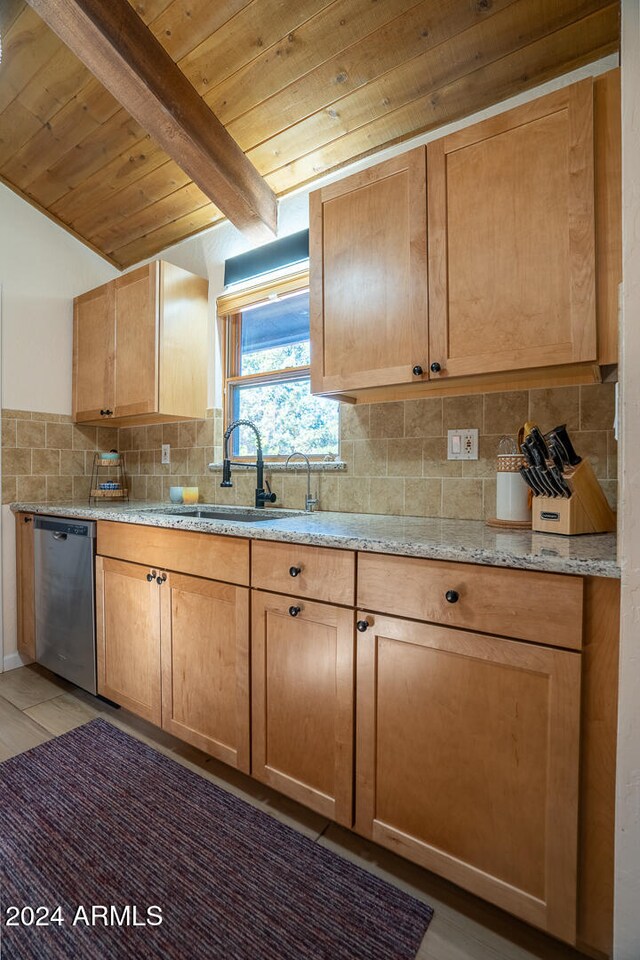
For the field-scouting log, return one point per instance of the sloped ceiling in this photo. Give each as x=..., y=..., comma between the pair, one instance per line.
x=303, y=87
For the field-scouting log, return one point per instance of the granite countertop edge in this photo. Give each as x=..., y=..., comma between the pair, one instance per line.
x=450, y=540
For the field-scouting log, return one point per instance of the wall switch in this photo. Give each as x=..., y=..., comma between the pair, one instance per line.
x=166, y=453
x=462, y=444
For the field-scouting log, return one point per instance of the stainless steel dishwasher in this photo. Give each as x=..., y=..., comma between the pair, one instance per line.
x=64, y=552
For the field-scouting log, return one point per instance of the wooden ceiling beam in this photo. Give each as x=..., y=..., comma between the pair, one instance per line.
x=122, y=53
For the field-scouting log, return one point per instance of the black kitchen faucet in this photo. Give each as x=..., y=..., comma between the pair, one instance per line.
x=262, y=496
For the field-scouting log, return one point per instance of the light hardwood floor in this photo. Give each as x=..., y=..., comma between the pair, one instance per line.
x=35, y=706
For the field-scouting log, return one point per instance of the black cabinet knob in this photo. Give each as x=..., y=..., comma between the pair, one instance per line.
x=160, y=579
x=417, y=370
x=295, y=571
x=102, y=413
x=452, y=596
x=28, y=519
x=362, y=625
x=435, y=367
x=294, y=611
x=150, y=577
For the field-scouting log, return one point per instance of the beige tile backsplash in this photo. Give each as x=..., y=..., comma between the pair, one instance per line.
x=395, y=454
x=47, y=457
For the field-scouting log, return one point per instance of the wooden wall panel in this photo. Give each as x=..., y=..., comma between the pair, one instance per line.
x=304, y=88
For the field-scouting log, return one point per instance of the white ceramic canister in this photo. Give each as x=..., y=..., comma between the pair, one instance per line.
x=512, y=493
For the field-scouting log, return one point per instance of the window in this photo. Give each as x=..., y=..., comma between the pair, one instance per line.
x=267, y=374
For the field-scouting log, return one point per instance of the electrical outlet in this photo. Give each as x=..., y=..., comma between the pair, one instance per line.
x=462, y=444
x=166, y=453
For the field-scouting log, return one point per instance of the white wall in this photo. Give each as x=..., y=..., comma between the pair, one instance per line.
x=627, y=884
x=42, y=268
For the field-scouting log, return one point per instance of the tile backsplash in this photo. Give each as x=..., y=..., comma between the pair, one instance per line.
x=47, y=457
x=395, y=454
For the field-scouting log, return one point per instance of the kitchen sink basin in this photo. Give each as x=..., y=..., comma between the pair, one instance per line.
x=237, y=516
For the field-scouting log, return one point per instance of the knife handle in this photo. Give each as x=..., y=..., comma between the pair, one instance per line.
x=560, y=434
x=524, y=473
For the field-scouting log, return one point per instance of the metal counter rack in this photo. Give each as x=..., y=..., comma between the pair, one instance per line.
x=108, y=479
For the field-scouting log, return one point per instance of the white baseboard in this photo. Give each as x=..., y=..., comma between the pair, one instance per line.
x=14, y=660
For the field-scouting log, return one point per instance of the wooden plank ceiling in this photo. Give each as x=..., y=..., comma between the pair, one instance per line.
x=303, y=87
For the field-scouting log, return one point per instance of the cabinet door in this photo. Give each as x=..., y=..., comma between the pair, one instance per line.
x=205, y=666
x=368, y=281
x=136, y=364
x=93, y=345
x=25, y=585
x=467, y=762
x=511, y=238
x=128, y=637
x=302, y=702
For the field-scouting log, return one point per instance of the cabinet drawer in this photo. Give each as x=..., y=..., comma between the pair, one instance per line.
x=322, y=573
x=200, y=554
x=542, y=607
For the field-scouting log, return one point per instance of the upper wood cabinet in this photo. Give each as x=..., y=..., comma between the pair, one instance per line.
x=368, y=283
x=511, y=239
x=522, y=216
x=140, y=348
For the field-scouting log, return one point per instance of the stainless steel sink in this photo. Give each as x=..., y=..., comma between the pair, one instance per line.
x=240, y=515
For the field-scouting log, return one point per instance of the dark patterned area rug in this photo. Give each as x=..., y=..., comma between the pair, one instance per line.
x=104, y=828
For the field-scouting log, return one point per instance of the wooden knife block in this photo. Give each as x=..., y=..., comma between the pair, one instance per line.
x=585, y=511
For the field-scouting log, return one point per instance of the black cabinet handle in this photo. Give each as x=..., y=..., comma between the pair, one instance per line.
x=294, y=571
x=417, y=370
x=294, y=611
x=435, y=367
x=452, y=596
x=28, y=519
x=151, y=576
x=362, y=625
x=102, y=413
x=160, y=579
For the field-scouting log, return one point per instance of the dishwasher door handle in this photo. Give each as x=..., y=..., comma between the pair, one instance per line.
x=59, y=536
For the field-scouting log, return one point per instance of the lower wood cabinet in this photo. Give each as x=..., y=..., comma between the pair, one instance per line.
x=467, y=747
x=205, y=666
x=467, y=761
x=128, y=637
x=303, y=701
x=25, y=584
x=174, y=649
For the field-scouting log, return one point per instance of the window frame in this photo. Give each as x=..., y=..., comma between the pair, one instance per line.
x=230, y=308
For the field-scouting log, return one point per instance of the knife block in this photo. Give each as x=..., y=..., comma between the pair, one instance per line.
x=585, y=511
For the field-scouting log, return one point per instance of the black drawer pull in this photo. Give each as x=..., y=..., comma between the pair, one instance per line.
x=295, y=571
x=452, y=596
x=294, y=611
x=151, y=576
x=362, y=625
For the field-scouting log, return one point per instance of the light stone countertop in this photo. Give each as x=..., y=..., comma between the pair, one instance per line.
x=469, y=541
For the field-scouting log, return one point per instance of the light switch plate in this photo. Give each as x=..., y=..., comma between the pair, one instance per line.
x=462, y=444
x=166, y=453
